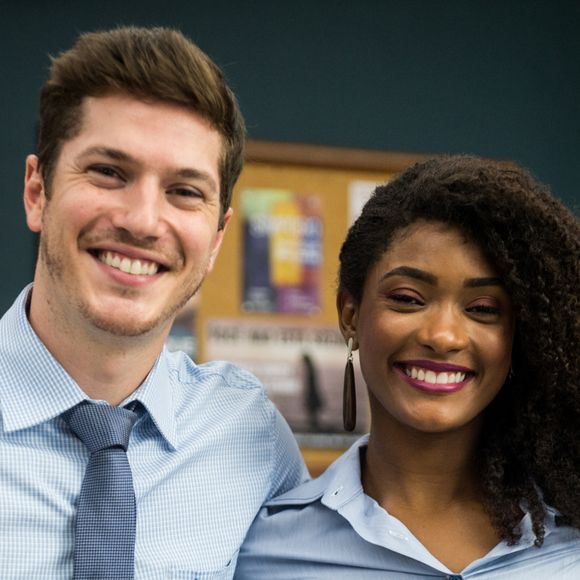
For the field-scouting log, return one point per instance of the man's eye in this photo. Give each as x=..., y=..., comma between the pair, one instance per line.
x=186, y=192
x=105, y=170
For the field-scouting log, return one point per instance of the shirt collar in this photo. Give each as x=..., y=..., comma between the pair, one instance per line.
x=345, y=480
x=157, y=396
x=335, y=487
x=35, y=388
x=341, y=483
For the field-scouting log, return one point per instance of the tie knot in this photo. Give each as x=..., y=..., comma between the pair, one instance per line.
x=101, y=426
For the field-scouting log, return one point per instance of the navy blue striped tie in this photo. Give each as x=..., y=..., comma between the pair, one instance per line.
x=106, y=514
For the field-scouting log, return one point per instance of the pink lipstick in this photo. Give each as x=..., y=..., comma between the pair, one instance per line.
x=434, y=377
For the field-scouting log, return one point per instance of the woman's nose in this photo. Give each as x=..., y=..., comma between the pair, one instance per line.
x=444, y=330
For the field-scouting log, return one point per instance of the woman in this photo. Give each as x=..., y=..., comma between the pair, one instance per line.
x=459, y=286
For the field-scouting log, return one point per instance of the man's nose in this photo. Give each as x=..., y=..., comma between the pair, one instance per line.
x=140, y=210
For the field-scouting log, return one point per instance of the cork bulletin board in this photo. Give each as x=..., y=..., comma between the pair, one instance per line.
x=269, y=304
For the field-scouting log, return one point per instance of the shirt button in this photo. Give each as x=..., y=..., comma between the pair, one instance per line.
x=337, y=491
x=398, y=535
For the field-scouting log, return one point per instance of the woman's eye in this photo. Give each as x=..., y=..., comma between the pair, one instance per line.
x=484, y=309
x=405, y=299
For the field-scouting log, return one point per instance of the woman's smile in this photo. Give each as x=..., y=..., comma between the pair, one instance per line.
x=434, y=329
x=434, y=377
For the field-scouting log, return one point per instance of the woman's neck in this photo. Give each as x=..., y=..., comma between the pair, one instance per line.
x=429, y=481
x=421, y=470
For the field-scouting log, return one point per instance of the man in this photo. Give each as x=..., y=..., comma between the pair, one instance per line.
x=140, y=144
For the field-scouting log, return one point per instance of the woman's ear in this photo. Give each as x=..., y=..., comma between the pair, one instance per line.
x=347, y=310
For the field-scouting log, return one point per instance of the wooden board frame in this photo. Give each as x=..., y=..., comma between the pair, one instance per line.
x=333, y=157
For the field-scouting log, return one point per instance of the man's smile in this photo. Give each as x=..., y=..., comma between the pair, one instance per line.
x=137, y=267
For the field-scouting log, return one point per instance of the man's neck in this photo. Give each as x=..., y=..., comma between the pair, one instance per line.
x=105, y=366
x=108, y=372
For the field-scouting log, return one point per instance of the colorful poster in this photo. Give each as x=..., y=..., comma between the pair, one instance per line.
x=282, y=251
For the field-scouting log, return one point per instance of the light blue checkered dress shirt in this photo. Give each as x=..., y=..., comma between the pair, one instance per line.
x=207, y=450
x=329, y=529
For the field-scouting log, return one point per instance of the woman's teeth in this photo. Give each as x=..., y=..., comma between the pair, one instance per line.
x=434, y=378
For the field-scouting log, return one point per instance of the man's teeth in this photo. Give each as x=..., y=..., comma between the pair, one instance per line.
x=136, y=267
x=433, y=377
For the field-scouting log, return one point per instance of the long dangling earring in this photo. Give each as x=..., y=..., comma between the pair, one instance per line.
x=511, y=374
x=349, y=393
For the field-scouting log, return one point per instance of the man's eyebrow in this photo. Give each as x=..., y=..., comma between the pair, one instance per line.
x=118, y=155
x=115, y=154
x=190, y=173
x=411, y=273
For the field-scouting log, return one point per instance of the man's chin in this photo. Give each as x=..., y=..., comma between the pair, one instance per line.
x=128, y=329
x=126, y=325
x=131, y=318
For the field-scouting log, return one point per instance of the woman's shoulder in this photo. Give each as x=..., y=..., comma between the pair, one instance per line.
x=343, y=473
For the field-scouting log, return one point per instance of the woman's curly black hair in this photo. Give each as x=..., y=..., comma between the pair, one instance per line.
x=530, y=443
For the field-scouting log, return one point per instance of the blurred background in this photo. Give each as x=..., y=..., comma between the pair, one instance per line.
x=499, y=78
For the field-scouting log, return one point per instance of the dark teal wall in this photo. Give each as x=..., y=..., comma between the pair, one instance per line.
x=497, y=78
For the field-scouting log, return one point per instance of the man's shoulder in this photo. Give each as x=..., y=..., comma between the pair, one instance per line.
x=13, y=322
x=218, y=373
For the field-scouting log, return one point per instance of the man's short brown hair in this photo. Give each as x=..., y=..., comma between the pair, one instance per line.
x=153, y=64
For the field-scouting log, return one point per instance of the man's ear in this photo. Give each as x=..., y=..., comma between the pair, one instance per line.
x=34, y=194
x=347, y=310
x=219, y=239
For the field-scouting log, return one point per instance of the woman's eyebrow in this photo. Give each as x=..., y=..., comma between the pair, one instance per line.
x=431, y=279
x=411, y=272
x=477, y=282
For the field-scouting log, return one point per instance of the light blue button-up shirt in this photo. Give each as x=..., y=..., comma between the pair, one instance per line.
x=207, y=450
x=329, y=529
